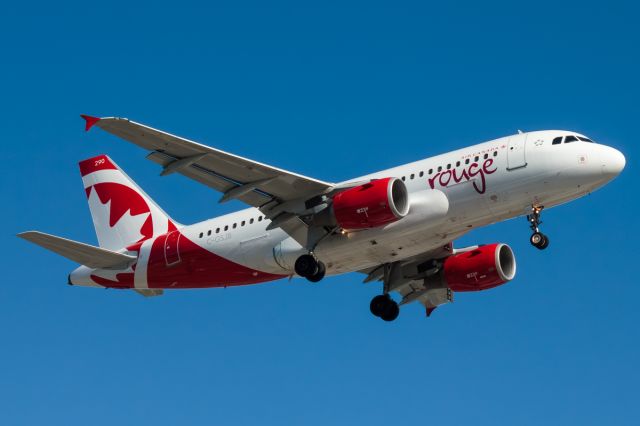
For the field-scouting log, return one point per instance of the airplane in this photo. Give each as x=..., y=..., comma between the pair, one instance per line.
x=395, y=226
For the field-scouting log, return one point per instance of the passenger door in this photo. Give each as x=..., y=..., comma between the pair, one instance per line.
x=516, y=152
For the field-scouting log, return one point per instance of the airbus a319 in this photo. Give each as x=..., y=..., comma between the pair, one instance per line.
x=396, y=226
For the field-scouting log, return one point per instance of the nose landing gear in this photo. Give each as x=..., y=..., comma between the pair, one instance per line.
x=309, y=267
x=538, y=239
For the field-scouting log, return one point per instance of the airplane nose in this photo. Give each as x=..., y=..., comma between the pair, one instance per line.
x=613, y=163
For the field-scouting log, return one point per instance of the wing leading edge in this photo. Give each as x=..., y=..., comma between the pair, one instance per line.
x=236, y=177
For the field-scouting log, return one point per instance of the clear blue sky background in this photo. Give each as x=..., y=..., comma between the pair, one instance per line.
x=333, y=91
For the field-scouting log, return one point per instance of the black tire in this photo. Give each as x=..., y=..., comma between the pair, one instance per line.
x=391, y=311
x=378, y=304
x=536, y=239
x=545, y=242
x=319, y=275
x=306, y=266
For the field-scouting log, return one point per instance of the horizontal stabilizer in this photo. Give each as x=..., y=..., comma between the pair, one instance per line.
x=84, y=254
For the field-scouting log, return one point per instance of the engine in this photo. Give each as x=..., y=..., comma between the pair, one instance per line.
x=373, y=204
x=479, y=269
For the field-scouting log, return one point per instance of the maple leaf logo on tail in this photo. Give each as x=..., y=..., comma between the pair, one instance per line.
x=122, y=213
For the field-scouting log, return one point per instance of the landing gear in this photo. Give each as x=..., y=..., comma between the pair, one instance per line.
x=538, y=239
x=308, y=267
x=384, y=307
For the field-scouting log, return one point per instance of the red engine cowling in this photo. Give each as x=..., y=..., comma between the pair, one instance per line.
x=373, y=204
x=480, y=269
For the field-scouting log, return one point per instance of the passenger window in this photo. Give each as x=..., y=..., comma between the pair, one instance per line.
x=403, y=178
x=259, y=218
x=250, y=221
x=201, y=234
x=421, y=174
x=243, y=222
x=466, y=161
x=448, y=166
x=208, y=232
x=457, y=164
x=412, y=175
x=486, y=156
x=430, y=171
x=477, y=159
x=235, y=225
x=439, y=168
x=226, y=227
x=217, y=230
x=570, y=139
x=557, y=141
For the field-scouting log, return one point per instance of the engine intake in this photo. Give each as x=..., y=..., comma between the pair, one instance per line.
x=480, y=269
x=373, y=204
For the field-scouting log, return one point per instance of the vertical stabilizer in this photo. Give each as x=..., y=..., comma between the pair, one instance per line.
x=122, y=213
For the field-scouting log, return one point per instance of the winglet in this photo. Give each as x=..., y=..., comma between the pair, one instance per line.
x=89, y=121
x=430, y=310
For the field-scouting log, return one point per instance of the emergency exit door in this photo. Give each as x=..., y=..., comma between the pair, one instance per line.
x=171, y=249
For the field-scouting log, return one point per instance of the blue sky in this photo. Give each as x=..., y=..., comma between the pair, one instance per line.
x=333, y=91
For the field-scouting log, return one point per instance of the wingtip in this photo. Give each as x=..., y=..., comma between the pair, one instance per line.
x=27, y=235
x=89, y=121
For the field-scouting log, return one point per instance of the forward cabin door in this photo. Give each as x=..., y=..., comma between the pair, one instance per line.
x=516, y=153
x=171, y=252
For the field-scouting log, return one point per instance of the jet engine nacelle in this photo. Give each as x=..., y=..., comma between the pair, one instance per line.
x=373, y=204
x=479, y=269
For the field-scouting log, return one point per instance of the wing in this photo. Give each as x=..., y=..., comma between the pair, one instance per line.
x=236, y=177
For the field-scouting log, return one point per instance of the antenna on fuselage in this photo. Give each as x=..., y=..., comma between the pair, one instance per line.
x=520, y=132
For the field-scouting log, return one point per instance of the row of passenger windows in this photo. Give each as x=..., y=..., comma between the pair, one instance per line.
x=233, y=226
x=570, y=138
x=411, y=176
x=458, y=164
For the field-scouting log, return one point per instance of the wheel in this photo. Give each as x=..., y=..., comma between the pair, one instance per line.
x=539, y=240
x=319, y=275
x=536, y=239
x=306, y=266
x=378, y=304
x=391, y=310
x=545, y=242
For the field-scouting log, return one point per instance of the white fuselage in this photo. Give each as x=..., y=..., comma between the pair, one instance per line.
x=450, y=194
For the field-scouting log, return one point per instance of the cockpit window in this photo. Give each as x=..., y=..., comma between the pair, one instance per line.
x=570, y=139
x=582, y=138
x=557, y=140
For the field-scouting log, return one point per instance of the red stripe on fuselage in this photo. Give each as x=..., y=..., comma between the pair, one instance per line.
x=197, y=268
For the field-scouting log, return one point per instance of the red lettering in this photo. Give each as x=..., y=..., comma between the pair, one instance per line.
x=474, y=169
x=463, y=175
x=471, y=172
x=446, y=173
x=433, y=180
x=488, y=163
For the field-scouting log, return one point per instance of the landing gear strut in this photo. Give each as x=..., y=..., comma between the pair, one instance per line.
x=309, y=267
x=384, y=307
x=538, y=239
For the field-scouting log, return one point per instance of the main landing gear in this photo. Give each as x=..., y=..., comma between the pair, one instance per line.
x=309, y=267
x=385, y=307
x=538, y=239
